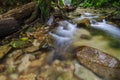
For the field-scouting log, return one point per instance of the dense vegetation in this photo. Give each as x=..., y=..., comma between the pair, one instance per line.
x=82, y=3
x=96, y=3
x=45, y=12
x=46, y=6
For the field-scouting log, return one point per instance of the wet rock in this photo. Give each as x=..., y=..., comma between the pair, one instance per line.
x=67, y=76
x=65, y=70
x=38, y=62
x=59, y=70
x=47, y=73
x=31, y=49
x=36, y=43
x=30, y=76
x=84, y=73
x=87, y=37
x=13, y=76
x=99, y=62
x=2, y=68
x=3, y=77
x=83, y=34
x=76, y=14
x=25, y=62
x=10, y=66
x=4, y=50
x=15, y=54
x=84, y=23
x=100, y=19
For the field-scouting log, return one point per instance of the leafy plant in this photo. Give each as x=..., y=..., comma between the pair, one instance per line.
x=94, y=3
x=44, y=6
x=76, y=2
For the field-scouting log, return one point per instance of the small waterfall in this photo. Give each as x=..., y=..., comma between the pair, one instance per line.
x=88, y=16
x=108, y=28
x=113, y=30
x=63, y=37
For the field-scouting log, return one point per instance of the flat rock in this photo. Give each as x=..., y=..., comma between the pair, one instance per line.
x=102, y=64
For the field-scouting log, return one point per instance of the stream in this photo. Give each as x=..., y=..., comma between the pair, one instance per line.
x=105, y=36
x=84, y=47
x=101, y=35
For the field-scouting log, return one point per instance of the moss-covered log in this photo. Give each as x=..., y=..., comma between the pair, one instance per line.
x=8, y=26
x=22, y=12
x=10, y=21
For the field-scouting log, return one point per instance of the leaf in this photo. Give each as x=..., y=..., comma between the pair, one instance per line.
x=18, y=44
x=24, y=39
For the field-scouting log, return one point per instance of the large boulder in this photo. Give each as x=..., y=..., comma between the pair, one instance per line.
x=102, y=64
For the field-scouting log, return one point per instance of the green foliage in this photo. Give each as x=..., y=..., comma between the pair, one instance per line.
x=19, y=43
x=76, y=2
x=61, y=2
x=94, y=3
x=44, y=6
x=116, y=4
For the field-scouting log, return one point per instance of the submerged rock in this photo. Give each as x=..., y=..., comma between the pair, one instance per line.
x=84, y=36
x=2, y=68
x=30, y=76
x=99, y=62
x=3, y=77
x=76, y=14
x=84, y=73
x=25, y=62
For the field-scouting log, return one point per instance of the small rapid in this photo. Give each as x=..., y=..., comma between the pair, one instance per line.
x=112, y=30
x=63, y=38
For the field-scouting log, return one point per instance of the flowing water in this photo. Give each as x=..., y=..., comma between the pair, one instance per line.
x=102, y=36
x=105, y=37
x=63, y=38
x=112, y=30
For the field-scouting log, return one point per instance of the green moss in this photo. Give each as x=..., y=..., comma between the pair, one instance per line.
x=114, y=43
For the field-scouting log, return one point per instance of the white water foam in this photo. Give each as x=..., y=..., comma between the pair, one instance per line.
x=63, y=36
x=108, y=28
x=113, y=30
x=88, y=16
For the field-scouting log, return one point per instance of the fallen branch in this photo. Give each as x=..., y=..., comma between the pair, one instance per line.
x=20, y=13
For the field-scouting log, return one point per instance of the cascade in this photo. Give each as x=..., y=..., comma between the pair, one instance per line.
x=108, y=28
x=63, y=37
